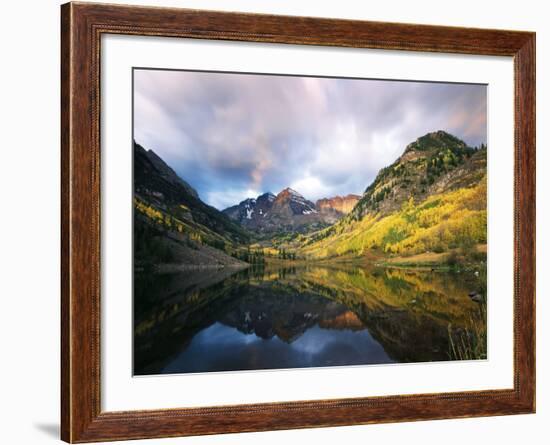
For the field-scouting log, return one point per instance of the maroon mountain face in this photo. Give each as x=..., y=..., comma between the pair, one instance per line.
x=289, y=211
x=290, y=202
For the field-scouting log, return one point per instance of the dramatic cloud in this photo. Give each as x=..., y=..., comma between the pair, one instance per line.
x=233, y=136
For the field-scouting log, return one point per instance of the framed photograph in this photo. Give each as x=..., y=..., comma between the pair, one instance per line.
x=274, y=222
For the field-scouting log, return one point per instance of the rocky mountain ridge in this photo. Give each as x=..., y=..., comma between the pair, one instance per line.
x=433, y=198
x=434, y=163
x=289, y=210
x=173, y=225
x=268, y=213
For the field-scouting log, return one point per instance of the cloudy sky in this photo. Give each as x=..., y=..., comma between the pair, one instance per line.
x=233, y=136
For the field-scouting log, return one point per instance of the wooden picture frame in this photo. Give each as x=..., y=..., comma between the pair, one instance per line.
x=82, y=25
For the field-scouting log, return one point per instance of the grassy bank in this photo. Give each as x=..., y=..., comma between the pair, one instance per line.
x=453, y=259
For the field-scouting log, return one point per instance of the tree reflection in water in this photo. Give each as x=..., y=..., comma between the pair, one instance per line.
x=293, y=317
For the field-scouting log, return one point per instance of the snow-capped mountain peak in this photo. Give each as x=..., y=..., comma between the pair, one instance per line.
x=288, y=210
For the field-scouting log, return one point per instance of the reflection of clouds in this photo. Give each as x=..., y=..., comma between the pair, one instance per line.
x=252, y=132
x=330, y=347
x=310, y=344
x=223, y=348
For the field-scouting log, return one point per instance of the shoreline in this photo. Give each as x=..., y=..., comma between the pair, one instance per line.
x=168, y=268
x=428, y=261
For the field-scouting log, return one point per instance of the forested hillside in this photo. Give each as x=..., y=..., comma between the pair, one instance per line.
x=431, y=200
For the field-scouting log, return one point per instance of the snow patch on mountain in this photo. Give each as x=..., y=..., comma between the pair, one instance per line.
x=308, y=212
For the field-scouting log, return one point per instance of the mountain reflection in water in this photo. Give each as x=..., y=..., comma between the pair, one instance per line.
x=227, y=320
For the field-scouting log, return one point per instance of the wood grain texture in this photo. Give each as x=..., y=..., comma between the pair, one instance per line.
x=81, y=28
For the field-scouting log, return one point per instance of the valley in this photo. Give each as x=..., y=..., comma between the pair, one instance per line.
x=430, y=203
x=397, y=274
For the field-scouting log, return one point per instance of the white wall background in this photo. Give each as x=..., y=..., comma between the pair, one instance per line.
x=29, y=219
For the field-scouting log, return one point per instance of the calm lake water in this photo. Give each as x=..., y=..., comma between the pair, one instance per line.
x=295, y=317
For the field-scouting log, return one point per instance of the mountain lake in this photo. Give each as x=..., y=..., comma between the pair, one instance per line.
x=298, y=316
